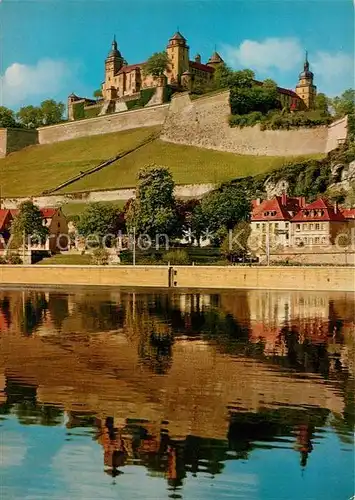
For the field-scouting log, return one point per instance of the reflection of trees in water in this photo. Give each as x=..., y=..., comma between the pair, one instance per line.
x=6, y=311
x=155, y=347
x=21, y=400
x=34, y=305
x=58, y=308
x=98, y=315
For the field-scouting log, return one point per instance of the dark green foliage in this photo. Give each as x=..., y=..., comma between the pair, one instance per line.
x=157, y=64
x=154, y=209
x=308, y=178
x=146, y=95
x=7, y=118
x=91, y=112
x=344, y=104
x=78, y=110
x=244, y=100
x=28, y=222
x=177, y=257
x=167, y=93
x=275, y=120
x=30, y=116
x=100, y=220
x=97, y=94
x=52, y=112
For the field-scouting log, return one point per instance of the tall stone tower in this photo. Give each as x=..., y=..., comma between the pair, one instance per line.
x=113, y=62
x=305, y=88
x=178, y=54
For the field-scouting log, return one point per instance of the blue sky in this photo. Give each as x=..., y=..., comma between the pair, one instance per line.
x=50, y=48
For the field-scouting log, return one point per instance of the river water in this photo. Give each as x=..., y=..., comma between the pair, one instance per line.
x=131, y=394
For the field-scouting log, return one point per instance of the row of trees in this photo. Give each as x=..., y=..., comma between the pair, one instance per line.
x=49, y=112
x=155, y=211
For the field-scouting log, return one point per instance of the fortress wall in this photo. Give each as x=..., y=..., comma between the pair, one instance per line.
x=3, y=141
x=204, y=123
x=145, y=117
x=337, y=131
x=14, y=139
x=56, y=200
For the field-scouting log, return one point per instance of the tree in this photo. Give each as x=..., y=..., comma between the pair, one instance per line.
x=222, y=76
x=97, y=94
x=321, y=103
x=28, y=223
x=157, y=64
x=263, y=98
x=235, y=244
x=345, y=104
x=100, y=220
x=7, y=117
x=223, y=209
x=52, y=112
x=30, y=116
x=154, y=209
x=241, y=79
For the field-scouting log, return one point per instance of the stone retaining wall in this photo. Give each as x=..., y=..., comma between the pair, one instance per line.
x=217, y=277
x=204, y=123
x=146, y=117
x=57, y=200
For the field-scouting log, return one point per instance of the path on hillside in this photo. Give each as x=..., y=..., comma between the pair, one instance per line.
x=100, y=166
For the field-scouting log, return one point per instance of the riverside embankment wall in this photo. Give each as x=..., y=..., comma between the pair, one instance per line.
x=116, y=122
x=204, y=123
x=217, y=277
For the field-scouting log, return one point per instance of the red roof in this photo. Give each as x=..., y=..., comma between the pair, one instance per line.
x=281, y=211
x=4, y=214
x=319, y=210
x=349, y=213
x=201, y=67
x=130, y=67
x=48, y=213
x=281, y=90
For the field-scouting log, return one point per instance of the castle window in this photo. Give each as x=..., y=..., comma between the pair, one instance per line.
x=258, y=226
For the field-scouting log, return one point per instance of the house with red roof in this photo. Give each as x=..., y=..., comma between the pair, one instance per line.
x=53, y=218
x=317, y=224
x=272, y=219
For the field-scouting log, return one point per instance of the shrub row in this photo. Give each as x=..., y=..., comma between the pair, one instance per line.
x=275, y=120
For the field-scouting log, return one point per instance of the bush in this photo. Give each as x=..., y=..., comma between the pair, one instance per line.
x=100, y=257
x=14, y=259
x=176, y=257
x=2, y=261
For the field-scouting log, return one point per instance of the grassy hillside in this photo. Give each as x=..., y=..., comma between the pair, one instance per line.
x=38, y=168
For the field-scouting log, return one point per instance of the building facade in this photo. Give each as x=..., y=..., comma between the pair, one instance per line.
x=122, y=79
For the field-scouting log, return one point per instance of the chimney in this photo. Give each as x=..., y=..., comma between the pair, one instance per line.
x=198, y=58
x=284, y=198
x=257, y=201
x=335, y=207
x=302, y=201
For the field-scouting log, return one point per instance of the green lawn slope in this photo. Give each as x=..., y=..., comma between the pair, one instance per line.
x=39, y=168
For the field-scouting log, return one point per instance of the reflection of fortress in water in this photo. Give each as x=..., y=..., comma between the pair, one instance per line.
x=177, y=381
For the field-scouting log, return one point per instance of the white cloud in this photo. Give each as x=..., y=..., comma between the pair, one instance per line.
x=279, y=57
x=272, y=53
x=23, y=83
x=334, y=73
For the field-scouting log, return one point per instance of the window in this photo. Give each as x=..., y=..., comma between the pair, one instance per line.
x=310, y=227
x=286, y=225
x=276, y=225
x=264, y=227
x=316, y=240
x=305, y=227
x=298, y=227
x=258, y=226
x=317, y=226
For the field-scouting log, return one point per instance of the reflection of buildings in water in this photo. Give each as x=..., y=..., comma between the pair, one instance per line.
x=303, y=442
x=2, y=387
x=311, y=316
x=194, y=302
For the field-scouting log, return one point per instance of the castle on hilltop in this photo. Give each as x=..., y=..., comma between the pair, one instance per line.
x=124, y=82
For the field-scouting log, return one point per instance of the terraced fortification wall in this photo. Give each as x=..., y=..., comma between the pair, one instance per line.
x=204, y=123
x=115, y=122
